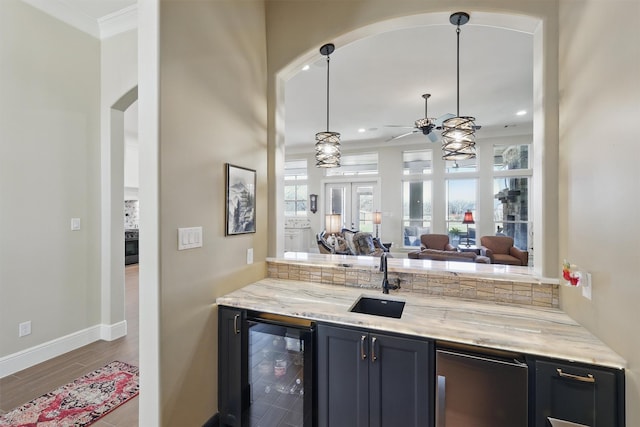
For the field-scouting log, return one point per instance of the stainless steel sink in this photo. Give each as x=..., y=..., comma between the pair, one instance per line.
x=378, y=307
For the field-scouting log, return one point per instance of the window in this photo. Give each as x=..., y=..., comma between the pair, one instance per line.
x=458, y=166
x=461, y=197
x=417, y=162
x=511, y=209
x=509, y=157
x=295, y=188
x=356, y=165
x=511, y=192
x=417, y=211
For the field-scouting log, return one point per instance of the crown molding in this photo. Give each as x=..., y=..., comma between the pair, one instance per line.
x=118, y=22
x=104, y=27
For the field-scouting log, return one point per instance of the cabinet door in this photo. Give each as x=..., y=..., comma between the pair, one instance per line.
x=230, y=366
x=343, y=384
x=578, y=394
x=399, y=381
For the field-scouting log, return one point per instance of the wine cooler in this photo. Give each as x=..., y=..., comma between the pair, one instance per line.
x=266, y=370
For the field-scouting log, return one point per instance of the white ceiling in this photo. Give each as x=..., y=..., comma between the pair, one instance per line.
x=377, y=82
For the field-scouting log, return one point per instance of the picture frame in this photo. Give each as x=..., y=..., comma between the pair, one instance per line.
x=240, y=216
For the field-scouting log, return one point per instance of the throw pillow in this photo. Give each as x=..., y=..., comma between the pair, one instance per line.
x=363, y=243
x=348, y=237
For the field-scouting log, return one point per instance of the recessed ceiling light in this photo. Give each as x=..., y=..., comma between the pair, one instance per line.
x=521, y=113
x=362, y=130
x=305, y=68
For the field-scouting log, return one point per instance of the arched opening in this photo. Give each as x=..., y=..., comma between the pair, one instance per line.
x=113, y=236
x=544, y=206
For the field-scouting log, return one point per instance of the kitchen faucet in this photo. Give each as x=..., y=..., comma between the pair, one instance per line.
x=385, y=280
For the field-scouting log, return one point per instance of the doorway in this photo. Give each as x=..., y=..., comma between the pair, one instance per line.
x=355, y=202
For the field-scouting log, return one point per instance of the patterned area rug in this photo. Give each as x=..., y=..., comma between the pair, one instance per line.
x=81, y=402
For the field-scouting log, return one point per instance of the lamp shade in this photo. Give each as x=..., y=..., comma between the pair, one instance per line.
x=377, y=217
x=333, y=223
x=468, y=218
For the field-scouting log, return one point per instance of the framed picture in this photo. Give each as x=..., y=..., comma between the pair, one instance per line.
x=241, y=200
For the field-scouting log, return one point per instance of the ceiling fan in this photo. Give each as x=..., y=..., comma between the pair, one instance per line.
x=425, y=125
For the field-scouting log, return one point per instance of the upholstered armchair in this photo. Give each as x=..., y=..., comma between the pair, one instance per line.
x=436, y=241
x=500, y=250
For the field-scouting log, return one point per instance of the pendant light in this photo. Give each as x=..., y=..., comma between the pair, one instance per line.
x=458, y=135
x=327, y=143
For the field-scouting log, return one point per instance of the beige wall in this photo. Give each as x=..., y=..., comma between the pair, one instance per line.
x=49, y=173
x=599, y=152
x=212, y=95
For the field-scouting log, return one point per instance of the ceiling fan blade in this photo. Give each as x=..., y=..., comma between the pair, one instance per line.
x=399, y=126
x=393, y=138
x=433, y=137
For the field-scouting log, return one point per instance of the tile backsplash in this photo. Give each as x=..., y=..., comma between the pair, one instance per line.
x=131, y=214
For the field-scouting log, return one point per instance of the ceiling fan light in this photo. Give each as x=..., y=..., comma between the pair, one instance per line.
x=426, y=125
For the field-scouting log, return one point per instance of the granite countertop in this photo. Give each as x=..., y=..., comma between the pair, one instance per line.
x=545, y=332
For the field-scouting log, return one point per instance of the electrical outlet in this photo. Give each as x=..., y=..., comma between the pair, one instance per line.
x=586, y=286
x=24, y=328
x=250, y=256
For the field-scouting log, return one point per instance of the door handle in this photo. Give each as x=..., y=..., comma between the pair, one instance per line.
x=373, y=349
x=236, y=330
x=363, y=354
x=440, y=403
x=588, y=379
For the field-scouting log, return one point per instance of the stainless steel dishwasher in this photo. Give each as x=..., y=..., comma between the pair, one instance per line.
x=480, y=389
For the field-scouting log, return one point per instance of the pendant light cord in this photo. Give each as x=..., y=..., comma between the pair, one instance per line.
x=458, y=71
x=327, y=93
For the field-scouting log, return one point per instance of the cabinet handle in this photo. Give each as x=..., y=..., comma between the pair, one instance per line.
x=588, y=379
x=441, y=402
x=373, y=349
x=236, y=330
x=363, y=355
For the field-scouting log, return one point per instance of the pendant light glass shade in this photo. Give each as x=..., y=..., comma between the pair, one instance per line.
x=327, y=143
x=458, y=138
x=458, y=134
x=327, y=149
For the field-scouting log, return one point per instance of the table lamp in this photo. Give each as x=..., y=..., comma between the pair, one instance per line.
x=333, y=223
x=377, y=220
x=468, y=219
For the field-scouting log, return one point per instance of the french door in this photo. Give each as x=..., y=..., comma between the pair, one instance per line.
x=354, y=201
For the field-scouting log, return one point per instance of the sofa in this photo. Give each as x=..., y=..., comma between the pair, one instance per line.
x=441, y=255
x=350, y=242
x=436, y=241
x=500, y=250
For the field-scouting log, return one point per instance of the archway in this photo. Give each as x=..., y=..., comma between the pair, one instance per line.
x=112, y=261
x=544, y=119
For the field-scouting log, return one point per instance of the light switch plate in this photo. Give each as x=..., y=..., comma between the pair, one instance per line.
x=250, y=256
x=189, y=238
x=75, y=224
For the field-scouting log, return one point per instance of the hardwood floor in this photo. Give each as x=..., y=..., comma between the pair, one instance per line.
x=33, y=382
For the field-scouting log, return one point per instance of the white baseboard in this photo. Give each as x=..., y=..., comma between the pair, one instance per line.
x=40, y=353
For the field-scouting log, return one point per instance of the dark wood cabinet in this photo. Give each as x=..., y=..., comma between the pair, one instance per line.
x=230, y=366
x=583, y=394
x=366, y=378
